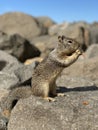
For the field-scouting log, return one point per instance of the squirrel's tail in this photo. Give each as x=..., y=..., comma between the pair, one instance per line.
x=7, y=103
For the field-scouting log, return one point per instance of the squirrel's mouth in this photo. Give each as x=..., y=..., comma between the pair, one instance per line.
x=78, y=48
x=70, y=51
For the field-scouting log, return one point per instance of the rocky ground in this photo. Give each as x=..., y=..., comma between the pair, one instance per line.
x=24, y=42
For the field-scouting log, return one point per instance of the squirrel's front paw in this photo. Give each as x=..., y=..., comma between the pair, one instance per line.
x=78, y=52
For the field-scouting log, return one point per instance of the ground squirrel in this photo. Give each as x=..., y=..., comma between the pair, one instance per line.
x=45, y=74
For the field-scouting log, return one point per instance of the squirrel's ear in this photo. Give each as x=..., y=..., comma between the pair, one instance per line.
x=60, y=39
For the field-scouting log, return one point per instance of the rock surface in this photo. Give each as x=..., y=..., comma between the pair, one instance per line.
x=7, y=80
x=94, y=33
x=18, y=46
x=45, y=44
x=44, y=23
x=3, y=123
x=86, y=69
x=77, y=110
x=92, y=51
x=8, y=63
x=19, y=23
x=24, y=73
x=54, y=29
x=3, y=93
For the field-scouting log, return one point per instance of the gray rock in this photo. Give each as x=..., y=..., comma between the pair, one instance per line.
x=94, y=33
x=86, y=69
x=77, y=110
x=54, y=29
x=86, y=31
x=3, y=123
x=7, y=80
x=41, y=42
x=8, y=63
x=19, y=23
x=4, y=39
x=73, y=82
x=45, y=21
x=22, y=49
x=92, y=51
x=45, y=44
x=18, y=46
x=24, y=73
x=3, y=92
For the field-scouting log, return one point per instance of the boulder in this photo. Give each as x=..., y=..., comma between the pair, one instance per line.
x=77, y=110
x=3, y=93
x=86, y=69
x=86, y=34
x=45, y=44
x=8, y=63
x=24, y=73
x=45, y=23
x=18, y=46
x=41, y=42
x=94, y=33
x=92, y=51
x=73, y=82
x=19, y=23
x=54, y=29
x=3, y=123
x=4, y=41
x=22, y=49
x=7, y=80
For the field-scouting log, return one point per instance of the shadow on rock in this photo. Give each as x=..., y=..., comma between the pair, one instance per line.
x=79, y=89
x=3, y=123
x=2, y=64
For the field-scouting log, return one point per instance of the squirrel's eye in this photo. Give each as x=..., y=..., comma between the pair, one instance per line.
x=69, y=41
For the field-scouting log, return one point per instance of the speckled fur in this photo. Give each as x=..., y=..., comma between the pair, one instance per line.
x=46, y=73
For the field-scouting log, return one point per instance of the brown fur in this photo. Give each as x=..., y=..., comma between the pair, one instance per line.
x=46, y=73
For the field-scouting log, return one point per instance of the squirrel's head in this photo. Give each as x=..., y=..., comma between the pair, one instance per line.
x=67, y=45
